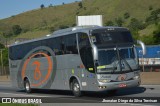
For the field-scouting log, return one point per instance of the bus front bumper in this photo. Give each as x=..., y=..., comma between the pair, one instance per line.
x=118, y=85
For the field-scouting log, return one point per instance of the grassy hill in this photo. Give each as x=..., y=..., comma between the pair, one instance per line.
x=39, y=22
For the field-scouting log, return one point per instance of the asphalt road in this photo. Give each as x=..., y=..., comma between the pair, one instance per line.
x=56, y=97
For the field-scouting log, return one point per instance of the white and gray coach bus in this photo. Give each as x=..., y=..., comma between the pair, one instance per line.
x=80, y=59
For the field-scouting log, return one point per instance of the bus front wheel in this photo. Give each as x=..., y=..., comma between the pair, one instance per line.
x=27, y=86
x=76, y=88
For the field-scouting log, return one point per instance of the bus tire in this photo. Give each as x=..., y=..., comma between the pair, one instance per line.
x=27, y=86
x=76, y=88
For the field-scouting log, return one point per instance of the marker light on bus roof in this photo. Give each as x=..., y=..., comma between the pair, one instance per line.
x=16, y=42
x=73, y=29
x=109, y=29
x=48, y=35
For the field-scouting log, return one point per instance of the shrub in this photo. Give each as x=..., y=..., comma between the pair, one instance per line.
x=7, y=34
x=119, y=21
x=126, y=15
x=16, y=29
x=50, y=5
x=109, y=23
x=80, y=5
x=1, y=46
x=51, y=29
x=5, y=57
x=154, y=16
x=135, y=24
x=150, y=8
x=156, y=35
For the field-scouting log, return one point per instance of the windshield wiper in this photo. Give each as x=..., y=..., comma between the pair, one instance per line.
x=119, y=58
x=127, y=63
x=114, y=67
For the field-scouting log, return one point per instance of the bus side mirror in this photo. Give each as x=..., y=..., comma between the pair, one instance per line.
x=94, y=52
x=143, y=46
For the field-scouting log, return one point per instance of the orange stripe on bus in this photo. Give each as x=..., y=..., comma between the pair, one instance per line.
x=49, y=68
x=37, y=71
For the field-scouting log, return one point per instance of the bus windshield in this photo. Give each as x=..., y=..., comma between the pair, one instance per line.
x=107, y=57
x=111, y=37
x=116, y=60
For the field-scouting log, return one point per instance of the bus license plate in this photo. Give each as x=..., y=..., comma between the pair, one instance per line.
x=122, y=85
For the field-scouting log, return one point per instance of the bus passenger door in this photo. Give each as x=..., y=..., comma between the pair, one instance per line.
x=86, y=56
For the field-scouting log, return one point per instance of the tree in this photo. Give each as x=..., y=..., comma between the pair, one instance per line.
x=150, y=8
x=77, y=12
x=136, y=25
x=42, y=6
x=7, y=34
x=156, y=35
x=16, y=29
x=1, y=46
x=80, y=5
x=126, y=15
x=119, y=21
x=50, y=5
x=109, y=23
x=5, y=57
x=154, y=16
x=51, y=29
x=148, y=40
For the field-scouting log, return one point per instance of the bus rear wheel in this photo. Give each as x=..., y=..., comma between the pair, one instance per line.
x=76, y=88
x=27, y=86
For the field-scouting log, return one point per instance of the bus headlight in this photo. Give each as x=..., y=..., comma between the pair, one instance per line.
x=136, y=77
x=103, y=80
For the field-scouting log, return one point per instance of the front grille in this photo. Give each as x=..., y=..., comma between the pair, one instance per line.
x=121, y=81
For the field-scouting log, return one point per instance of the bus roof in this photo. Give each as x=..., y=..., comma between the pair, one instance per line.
x=67, y=31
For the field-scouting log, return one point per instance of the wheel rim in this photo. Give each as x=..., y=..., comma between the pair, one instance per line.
x=27, y=86
x=76, y=87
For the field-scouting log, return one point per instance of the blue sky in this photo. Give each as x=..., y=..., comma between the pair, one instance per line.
x=14, y=7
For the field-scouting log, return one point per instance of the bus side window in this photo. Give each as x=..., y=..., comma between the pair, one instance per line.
x=62, y=45
x=70, y=44
x=12, y=53
x=58, y=46
x=54, y=44
x=86, y=52
x=19, y=50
